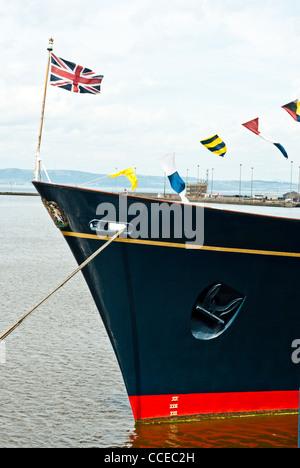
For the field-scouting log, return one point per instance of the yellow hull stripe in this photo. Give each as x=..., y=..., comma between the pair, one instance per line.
x=184, y=246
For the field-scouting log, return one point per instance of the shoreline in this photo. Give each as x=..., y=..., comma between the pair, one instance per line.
x=223, y=200
x=24, y=194
x=234, y=201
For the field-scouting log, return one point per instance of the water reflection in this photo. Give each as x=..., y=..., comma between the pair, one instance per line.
x=261, y=431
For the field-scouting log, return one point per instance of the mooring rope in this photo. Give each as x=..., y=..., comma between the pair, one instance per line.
x=88, y=260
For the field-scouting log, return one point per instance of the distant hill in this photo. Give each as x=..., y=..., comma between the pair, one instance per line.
x=23, y=177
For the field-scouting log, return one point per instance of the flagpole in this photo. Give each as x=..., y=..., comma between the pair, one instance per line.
x=37, y=158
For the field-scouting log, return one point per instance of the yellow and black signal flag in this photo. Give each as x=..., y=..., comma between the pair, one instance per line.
x=293, y=108
x=130, y=174
x=215, y=145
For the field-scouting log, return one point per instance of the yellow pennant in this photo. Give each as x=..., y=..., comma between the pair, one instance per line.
x=130, y=174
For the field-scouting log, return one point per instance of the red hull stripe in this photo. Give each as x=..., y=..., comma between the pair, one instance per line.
x=168, y=406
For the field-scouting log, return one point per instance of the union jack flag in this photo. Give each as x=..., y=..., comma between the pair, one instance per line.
x=72, y=77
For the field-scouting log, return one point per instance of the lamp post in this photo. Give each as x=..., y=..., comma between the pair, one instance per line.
x=291, y=182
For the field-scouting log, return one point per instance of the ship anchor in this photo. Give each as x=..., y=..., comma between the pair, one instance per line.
x=214, y=311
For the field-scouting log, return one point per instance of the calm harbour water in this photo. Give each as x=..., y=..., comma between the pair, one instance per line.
x=60, y=385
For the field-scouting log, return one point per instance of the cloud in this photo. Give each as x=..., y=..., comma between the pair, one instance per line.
x=172, y=76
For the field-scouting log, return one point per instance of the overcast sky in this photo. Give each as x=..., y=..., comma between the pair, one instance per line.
x=175, y=72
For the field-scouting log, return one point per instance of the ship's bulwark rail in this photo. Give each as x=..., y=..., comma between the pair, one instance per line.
x=80, y=267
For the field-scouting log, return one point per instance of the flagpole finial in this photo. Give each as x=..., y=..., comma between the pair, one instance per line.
x=50, y=44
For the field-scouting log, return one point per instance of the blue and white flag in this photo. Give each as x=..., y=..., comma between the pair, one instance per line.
x=168, y=164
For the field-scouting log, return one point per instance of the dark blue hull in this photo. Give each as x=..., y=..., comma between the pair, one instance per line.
x=197, y=329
